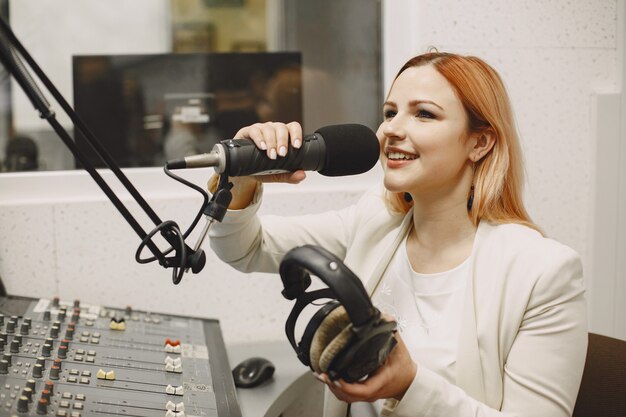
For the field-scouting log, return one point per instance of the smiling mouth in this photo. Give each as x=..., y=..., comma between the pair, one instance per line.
x=401, y=156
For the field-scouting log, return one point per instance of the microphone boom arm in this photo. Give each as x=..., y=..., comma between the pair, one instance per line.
x=10, y=51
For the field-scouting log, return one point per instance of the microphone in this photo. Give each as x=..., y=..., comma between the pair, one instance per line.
x=335, y=150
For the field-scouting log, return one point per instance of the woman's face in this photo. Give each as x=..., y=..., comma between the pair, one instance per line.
x=423, y=135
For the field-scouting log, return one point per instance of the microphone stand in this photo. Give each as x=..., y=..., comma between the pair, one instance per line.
x=184, y=257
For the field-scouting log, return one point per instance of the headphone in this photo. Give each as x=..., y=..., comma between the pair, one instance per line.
x=346, y=338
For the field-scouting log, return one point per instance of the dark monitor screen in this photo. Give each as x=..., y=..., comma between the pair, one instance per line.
x=146, y=109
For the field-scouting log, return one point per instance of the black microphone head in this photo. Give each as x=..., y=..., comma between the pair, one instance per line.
x=350, y=149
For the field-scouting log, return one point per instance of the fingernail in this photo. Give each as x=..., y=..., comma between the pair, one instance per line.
x=272, y=153
x=318, y=377
x=297, y=143
x=337, y=384
x=282, y=151
x=263, y=146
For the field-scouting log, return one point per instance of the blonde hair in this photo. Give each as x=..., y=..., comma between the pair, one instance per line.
x=499, y=175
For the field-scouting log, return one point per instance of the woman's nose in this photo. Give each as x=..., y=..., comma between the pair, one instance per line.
x=394, y=130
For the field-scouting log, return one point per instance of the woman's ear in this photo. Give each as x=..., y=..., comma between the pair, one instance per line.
x=482, y=144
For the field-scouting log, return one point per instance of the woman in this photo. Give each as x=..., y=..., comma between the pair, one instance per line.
x=491, y=314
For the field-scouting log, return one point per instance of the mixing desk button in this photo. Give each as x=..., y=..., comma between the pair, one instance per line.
x=117, y=324
x=80, y=397
x=91, y=353
x=72, y=379
x=61, y=413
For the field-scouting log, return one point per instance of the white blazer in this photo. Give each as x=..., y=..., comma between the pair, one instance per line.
x=524, y=333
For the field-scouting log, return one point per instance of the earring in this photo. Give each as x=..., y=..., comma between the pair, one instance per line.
x=470, y=200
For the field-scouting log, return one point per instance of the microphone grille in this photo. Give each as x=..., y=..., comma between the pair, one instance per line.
x=350, y=149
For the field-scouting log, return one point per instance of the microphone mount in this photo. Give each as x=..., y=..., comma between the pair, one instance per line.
x=184, y=257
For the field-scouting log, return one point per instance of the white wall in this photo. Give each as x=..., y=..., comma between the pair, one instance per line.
x=554, y=56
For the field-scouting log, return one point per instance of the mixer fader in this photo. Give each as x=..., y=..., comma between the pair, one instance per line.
x=67, y=359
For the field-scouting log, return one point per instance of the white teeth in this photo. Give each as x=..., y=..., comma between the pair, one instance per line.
x=400, y=155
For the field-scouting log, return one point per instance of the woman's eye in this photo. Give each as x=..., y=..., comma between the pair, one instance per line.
x=389, y=114
x=425, y=114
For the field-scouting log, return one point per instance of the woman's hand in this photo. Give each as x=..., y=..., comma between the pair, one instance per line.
x=274, y=138
x=391, y=380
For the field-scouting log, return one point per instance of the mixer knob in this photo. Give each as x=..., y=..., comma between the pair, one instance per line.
x=50, y=387
x=1, y=319
x=65, y=343
x=54, y=372
x=55, y=302
x=46, y=315
x=28, y=393
x=69, y=332
x=37, y=371
x=10, y=326
x=46, y=350
x=15, y=346
x=31, y=384
x=1, y=345
x=25, y=329
x=4, y=367
x=4, y=337
x=7, y=357
x=41, y=361
x=62, y=352
x=22, y=404
x=54, y=332
x=61, y=315
x=42, y=406
x=28, y=321
x=76, y=315
x=45, y=394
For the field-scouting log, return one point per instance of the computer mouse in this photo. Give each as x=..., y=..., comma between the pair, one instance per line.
x=252, y=372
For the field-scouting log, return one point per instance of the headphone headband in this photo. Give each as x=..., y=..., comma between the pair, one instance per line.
x=347, y=287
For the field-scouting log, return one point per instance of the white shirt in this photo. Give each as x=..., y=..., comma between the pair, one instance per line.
x=428, y=309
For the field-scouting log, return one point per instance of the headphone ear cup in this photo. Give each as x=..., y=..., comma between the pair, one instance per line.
x=335, y=347
x=329, y=338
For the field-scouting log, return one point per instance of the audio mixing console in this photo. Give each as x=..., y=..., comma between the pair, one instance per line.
x=73, y=360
